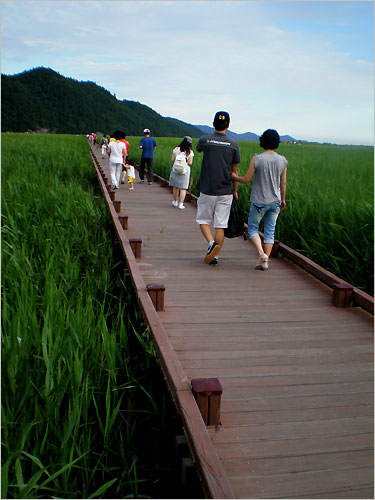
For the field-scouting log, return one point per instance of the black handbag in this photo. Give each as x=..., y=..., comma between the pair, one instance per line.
x=236, y=225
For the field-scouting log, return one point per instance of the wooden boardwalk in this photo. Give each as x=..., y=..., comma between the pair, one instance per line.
x=296, y=372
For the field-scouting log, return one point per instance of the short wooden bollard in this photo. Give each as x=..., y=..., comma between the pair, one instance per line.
x=156, y=293
x=163, y=183
x=207, y=392
x=124, y=221
x=136, y=245
x=112, y=195
x=117, y=205
x=109, y=187
x=342, y=295
x=275, y=248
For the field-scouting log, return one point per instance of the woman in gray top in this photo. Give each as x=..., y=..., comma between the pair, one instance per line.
x=267, y=193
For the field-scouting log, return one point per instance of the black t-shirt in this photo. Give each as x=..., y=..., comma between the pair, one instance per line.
x=220, y=152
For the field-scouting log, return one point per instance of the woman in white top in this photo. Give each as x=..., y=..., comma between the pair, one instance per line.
x=117, y=152
x=180, y=182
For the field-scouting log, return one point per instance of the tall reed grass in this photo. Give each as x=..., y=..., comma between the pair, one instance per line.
x=76, y=399
x=330, y=202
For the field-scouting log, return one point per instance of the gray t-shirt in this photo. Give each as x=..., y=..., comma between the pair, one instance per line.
x=220, y=152
x=266, y=184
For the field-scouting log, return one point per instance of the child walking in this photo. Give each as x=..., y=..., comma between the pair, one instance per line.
x=130, y=168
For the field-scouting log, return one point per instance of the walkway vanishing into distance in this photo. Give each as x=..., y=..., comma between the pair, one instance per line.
x=296, y=415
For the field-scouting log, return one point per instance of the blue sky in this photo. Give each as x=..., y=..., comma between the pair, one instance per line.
x=305, y=68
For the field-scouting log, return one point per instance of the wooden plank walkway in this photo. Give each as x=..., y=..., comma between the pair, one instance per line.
x=297, y=373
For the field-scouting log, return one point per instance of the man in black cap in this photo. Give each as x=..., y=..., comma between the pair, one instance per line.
x=221, y=156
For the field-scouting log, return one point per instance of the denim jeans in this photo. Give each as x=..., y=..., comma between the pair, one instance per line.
x=270, y=214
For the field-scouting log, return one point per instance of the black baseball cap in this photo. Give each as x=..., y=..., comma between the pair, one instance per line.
x=221, y=120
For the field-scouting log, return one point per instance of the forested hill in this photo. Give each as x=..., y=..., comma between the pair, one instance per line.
x=43, y=99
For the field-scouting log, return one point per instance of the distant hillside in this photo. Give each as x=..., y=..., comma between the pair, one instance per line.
x=246, y=136
x=43, y=99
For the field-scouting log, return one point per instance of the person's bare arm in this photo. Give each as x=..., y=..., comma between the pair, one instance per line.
x=235, y=183
x=283, y=189
x=249, y=174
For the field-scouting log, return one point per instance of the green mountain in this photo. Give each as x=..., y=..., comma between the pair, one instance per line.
x=43, y=99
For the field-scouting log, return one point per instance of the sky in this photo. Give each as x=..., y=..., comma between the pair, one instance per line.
x=304, y=68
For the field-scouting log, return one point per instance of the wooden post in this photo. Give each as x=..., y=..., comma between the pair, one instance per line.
x=163, y=183
x=342, y=295
x=109, y=187
x=275, y=248
x=117, y=205
x=207, y=392
x=156, y=293
x=187, y=471
x=136, y=245
x=112, y=195
x=124, y=221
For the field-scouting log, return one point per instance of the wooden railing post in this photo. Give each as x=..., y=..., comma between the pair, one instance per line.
x=117, y=205
x=136, y=246
x=342, y=294
x=207, y=392
x=156, y=293
x=275, y=248
x=124, y=219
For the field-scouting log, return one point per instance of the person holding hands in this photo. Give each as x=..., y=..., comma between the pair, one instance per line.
x=267, y=193
x=221, y=156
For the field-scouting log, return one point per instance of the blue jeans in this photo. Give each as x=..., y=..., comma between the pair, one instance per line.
x=270, y=214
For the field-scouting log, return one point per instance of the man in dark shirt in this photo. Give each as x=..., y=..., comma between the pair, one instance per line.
x=148, y=145
x=221, y=156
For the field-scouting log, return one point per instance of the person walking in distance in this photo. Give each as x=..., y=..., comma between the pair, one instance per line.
x=130, y=168
x=221, y=156
x=116, y=151
x=148, y=146
x=124, y=170
x=182, y=158
x=267, y=194
x=103, y=145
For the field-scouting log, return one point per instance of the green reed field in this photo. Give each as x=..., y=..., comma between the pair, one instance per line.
x=77, y=363
x=330, y=202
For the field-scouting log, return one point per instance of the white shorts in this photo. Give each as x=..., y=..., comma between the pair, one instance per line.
x=214, y=209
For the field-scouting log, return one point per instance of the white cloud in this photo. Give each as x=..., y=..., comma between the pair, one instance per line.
x=188, y=59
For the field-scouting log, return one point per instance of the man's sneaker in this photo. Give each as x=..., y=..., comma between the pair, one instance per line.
x=141, y=181
x=215, y=262
x=213, y=251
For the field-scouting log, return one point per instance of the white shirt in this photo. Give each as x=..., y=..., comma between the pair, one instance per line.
x=116, y=149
